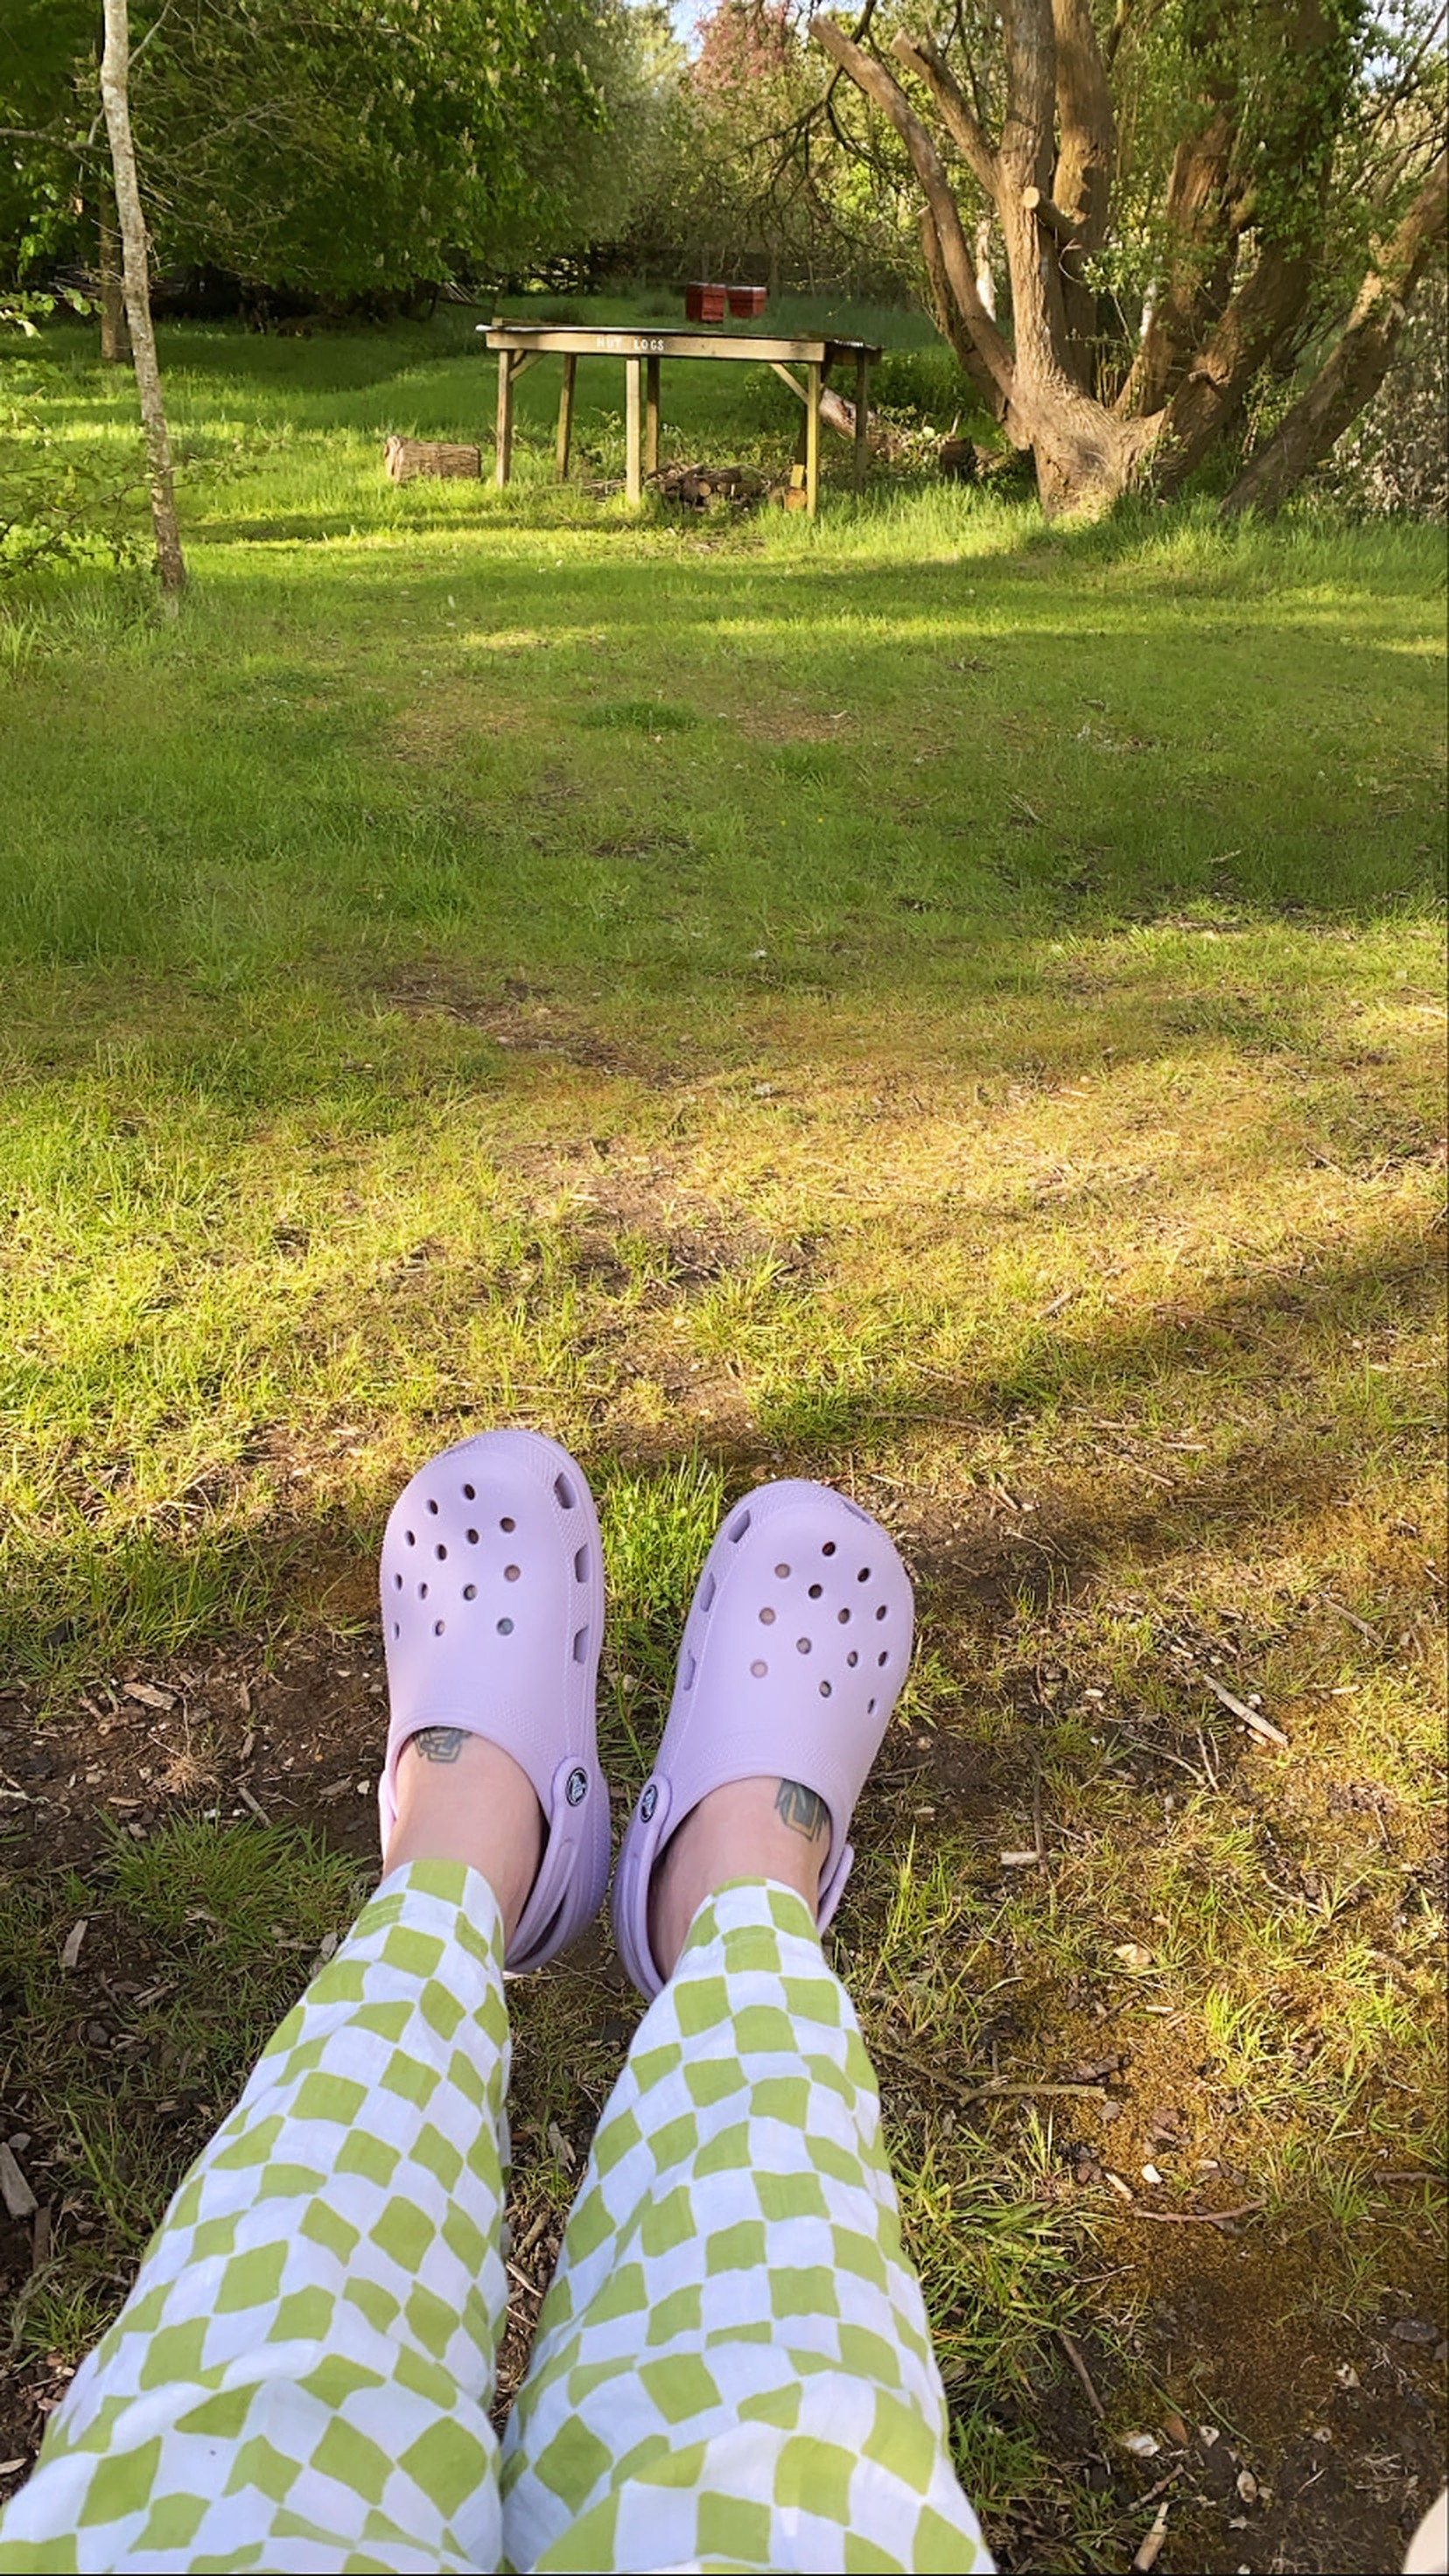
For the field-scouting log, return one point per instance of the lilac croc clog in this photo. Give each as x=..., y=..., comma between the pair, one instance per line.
x=796, y=1645
x=492, y=1588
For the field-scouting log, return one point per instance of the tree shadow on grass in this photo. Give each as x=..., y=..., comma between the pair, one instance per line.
x=192, y=1577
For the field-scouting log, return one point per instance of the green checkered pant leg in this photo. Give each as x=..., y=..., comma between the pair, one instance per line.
x=301, y=2377
x=733, y=2367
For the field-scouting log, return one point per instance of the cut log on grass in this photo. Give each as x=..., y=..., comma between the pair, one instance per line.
x=839, y=415
x=406, y=458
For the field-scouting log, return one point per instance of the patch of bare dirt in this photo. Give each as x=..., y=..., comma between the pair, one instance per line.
x=518, y=1017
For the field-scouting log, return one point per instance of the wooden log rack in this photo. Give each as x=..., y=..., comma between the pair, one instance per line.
x=520, y=345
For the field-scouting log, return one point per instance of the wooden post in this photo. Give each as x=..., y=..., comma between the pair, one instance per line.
x=633, y=479
x=812, y=439
x=565, y=416
x=503, y=460
x=651, y=415
x=862, y=417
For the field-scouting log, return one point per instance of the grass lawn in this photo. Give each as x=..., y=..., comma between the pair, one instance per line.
x=923, y=1001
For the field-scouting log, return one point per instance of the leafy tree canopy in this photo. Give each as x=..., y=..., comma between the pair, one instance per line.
x=339, y=146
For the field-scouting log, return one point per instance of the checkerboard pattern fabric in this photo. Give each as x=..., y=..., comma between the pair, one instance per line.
x=733, y=2368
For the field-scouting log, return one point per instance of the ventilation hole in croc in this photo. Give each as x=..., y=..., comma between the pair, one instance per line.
x=472, y=1538
x=397, y=1628
x=738, y=1528
x=511, y=1573
x=759, y=1671
x=870, y=1708
x=828, y=1548
x=563, y=1493
x=767, y=1618
x=437, y=1627
x=412, y=1542
x=581, y=1566
x=433, y=1508
x=842, y=1618
x=706, y=1595
x=881, y=1612
x=802, y=1645
x=397, y=1582
x=864, y=1575
x=815, y=1591
x=505, y=1627
x=825, y=1690
x=852, y=1658
x=508, y=1525
x=882, y=1659
x=469, y=1495
x=422, y=1592
x=470, y=1591
x=440, y=1551
x=686, y=1678
x=581, y=1646
x=782, y=1571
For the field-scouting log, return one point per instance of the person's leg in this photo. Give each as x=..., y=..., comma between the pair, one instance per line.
x=302, y=2375
x=733, y=2366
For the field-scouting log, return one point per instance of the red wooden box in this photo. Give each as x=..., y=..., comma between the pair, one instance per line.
x=747, y=303
x=705, y=303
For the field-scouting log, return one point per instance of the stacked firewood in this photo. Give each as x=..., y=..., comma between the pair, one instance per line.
x=694, y=487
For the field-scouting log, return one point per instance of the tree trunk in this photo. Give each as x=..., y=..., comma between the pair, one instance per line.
x=1356, y=366
x=1084, y=456
x=115, y=67
x=949, y=323
x=115, y=337
x=1082, y=184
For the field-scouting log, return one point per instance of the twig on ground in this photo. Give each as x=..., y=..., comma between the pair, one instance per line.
x=15, y=2191
x=1074, y=2356
x=1352, y=1617
x=1252, y=1717
x=1199, y=2217
x=255, y=1804
x=1036, y=1812
x=970, y=2094
x=1151, y=2544
x=1159, y=1753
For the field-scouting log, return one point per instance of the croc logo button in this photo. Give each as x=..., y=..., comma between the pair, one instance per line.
x=648, y=1803
x=577, y=1787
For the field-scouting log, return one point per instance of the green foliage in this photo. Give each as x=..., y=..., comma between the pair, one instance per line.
x=350, y=151
x=63, y=500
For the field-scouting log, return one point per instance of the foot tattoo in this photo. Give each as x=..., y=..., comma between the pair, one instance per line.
x=801, y=1809
x=438, y=1743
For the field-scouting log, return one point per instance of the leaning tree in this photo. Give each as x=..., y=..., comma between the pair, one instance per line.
x=1176, y=188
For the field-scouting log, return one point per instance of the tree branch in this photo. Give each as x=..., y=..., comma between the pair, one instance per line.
x=876, y=84
x=931, y=68
x=1357, y=364
x=949, y=323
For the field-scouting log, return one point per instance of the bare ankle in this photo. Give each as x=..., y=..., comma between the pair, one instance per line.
x=461, y=1798
x=759, y=1828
